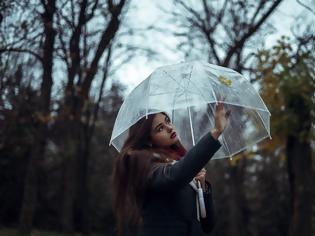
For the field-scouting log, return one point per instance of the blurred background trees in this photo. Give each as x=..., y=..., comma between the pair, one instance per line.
x=58, y=103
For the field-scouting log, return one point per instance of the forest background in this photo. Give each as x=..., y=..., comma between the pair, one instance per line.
x=66, y=66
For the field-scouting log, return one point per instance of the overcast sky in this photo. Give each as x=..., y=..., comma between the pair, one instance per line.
x=145, y=12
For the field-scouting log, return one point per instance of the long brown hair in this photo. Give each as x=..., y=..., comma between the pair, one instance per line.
x=132, y=168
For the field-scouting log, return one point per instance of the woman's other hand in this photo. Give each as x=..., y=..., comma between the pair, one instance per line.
x=201, y=176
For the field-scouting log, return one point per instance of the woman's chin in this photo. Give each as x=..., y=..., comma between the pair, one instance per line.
x=175, y=141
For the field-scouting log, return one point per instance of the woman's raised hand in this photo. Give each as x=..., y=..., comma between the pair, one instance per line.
x=221, y=119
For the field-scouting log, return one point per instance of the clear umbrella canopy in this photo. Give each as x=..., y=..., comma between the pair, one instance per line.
x=188, y=92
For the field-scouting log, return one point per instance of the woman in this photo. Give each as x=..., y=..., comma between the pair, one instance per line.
x=151, y=179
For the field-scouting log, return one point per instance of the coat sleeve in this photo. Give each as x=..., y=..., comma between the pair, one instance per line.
x=207, y=224
x=171, y=177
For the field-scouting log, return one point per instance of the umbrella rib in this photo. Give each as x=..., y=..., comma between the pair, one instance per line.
x=245, y=106
x=223, y=139
x=157, y=94
x=264, y=124
x=174, y=100
x=191, y=128
x=230, y=103
x=180, y=84
x=261, y=101
x=189, y=113
x=148, y=97
x=215, y=98
x=173, y=79
x=244, y=148
x=201, y=93
x=175, y=91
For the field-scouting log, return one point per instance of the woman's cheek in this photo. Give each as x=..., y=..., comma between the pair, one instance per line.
x=161, y=139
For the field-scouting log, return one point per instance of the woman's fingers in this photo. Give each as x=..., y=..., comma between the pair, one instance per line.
x=202, y=171
x=201, y=174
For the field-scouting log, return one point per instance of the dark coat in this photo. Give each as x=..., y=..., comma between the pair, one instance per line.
x=170, y=204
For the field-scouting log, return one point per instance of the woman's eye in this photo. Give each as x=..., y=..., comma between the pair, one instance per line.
x=160, y=128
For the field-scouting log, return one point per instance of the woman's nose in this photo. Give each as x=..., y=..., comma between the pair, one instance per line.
x=169, y=128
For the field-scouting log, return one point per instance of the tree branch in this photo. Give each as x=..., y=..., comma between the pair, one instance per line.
x=21, y=50
x=106, y=38
x=305, y=6
x=240, y=43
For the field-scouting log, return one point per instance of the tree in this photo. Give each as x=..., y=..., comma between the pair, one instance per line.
x=17, y=101
x=288, y=87
x=82, y=48
x=222, y=31
x=64, y=33
x=42, y=117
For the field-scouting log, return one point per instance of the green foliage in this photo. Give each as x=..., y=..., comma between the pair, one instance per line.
x=288, y=88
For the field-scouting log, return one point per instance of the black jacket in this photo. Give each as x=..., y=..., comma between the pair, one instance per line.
x=170, y=204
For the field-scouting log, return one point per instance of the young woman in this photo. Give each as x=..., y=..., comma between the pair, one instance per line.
x=152, y=175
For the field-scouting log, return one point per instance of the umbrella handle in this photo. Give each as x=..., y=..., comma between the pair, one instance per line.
x=201, y=201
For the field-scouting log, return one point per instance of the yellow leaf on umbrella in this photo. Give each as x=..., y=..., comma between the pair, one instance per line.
x=224, y=80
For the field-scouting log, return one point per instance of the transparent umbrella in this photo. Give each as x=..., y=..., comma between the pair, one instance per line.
x=188, y=92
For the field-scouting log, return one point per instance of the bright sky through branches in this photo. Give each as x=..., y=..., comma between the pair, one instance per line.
x=143, y=13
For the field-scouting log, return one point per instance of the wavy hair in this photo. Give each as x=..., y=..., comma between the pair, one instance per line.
x=133, y=166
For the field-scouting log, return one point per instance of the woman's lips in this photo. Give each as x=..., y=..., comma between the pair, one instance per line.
x=173, y=135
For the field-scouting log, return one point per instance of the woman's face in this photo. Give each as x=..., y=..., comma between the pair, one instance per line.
x=162, y=131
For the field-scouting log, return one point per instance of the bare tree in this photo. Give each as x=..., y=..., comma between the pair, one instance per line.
x=82, y=48
x=77, y=36
x=221, y=31
x=298, y=141
x=31, y=179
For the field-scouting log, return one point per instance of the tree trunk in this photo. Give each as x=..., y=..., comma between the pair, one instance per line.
x=299, y=158
x=31, y=179
x=76, y=166
x=83, y=190
x=236, y=199
x=69, y=192
x=72, y=136
x=300, y=177
x=30, y=191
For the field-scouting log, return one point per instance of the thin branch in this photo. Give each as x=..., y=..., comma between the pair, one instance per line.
x=259, y=7
x=193, y=12
x=90, y=16
x=106, y=38
x=68, y=22
x=21, y=50
x=221, y=14
x=240, y=43
x=305, y=6
x=105, y=75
